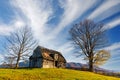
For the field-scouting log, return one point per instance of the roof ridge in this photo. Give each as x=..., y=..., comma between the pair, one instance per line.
x=49, y=49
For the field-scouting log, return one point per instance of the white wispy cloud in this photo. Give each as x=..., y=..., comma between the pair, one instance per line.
x=105, y=10
x=66, y=48
x=108, y=13
x=100, y=11
x=112, y=24
x=38, y=13
x=114, y=51
x=113, y=47
x=73, y=9
x=6, y=29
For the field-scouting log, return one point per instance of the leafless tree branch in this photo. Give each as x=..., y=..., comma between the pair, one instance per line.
x=88, y=36
x=20, y=44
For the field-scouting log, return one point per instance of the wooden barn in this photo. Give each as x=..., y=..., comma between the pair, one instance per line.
x=46, y=58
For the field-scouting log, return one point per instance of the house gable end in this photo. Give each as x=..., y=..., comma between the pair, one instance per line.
x=37, y=52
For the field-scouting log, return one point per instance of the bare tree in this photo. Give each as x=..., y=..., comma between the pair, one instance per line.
x=20, y=44
x=88, y=36
x=9, y=61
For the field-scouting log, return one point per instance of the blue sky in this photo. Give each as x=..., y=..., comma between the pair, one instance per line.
x=51, y=20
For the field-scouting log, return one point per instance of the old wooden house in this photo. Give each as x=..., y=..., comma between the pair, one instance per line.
x=46, y=58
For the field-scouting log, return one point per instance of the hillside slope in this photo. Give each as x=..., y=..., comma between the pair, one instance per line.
x=50, y=74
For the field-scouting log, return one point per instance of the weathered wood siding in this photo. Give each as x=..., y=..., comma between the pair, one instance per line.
x=36, y=59
x=36, y=62
x=48, y=64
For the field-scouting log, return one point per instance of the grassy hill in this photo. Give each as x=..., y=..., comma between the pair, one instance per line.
x=50, y=74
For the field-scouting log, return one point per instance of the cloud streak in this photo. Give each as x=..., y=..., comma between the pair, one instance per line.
x=114, y=51
x=38, y=13
x=73, y=9
x=6, y=29
x=112, y=47
x=112, y=24
x=99, y=12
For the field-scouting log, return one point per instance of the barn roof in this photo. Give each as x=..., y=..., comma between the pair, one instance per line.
x=49, y=53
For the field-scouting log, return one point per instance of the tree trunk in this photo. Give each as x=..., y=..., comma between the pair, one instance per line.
x=90, y=65
x=17, y=63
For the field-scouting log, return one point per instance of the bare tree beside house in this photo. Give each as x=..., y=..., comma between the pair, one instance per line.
x=88, y=36
x=20, y=44
x=8, y=62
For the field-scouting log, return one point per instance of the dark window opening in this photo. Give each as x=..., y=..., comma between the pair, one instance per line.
x=56, y=63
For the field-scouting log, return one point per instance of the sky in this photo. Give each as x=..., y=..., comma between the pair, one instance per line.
x=51, y=21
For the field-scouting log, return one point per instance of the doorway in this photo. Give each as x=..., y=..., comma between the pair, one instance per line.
x=56, y=63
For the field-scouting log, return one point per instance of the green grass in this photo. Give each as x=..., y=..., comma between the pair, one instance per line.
x=50, y=74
